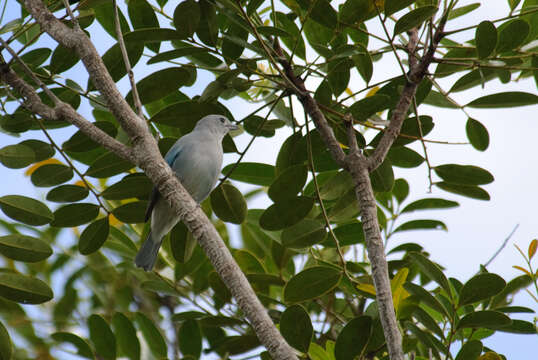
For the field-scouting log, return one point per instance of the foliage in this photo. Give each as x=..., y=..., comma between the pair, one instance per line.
x=298, y=252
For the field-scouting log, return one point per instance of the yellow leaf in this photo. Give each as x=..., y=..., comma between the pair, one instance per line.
x=113, y=221
x=532, y=248
x=490, y=355
x=372, y=91
x=80, y=183
x=34, y=167
x=396, y=285
x=522, y=269
x=367, y=288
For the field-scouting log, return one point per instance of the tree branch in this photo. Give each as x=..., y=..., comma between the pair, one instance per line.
x=61, y=111
x=148, y=158
x=416, y=73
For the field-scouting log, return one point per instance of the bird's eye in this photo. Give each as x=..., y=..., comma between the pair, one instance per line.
x=222, y=120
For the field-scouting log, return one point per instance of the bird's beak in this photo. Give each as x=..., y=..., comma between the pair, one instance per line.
x=232, y=127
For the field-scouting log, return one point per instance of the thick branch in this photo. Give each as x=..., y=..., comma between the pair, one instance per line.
x=149, y=159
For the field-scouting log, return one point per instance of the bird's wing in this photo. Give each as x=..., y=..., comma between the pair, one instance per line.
x=170, y=157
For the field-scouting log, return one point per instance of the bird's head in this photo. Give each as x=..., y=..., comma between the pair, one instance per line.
x=217, y=124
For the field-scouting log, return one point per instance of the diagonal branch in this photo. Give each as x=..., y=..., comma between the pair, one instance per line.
x=414, y=77
x=148, y=158
x=61, y=111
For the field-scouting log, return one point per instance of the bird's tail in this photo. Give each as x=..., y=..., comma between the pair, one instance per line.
x=147, y=255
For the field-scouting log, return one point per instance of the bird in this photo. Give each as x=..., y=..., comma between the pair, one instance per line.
x=196, y=159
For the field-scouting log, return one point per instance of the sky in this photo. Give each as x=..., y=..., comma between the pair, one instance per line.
x=476, y=229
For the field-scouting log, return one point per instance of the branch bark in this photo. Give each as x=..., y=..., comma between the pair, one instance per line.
x=360, y=167
x=147, y=156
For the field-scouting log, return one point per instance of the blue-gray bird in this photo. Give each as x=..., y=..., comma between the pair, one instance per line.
x=196, y=158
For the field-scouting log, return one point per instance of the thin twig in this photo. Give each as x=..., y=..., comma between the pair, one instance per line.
x=502, y=246
x=125, y=56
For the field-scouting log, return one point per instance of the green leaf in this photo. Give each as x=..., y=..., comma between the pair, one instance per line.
x=428, y=321
x=353, y=11
x=364, y=108
x=190, y=339
x=304, y=234
x=62, y=59
x=153, y=336
x=113, y=58
x=151, y=35
x=392, y=6
x=234, y=41
x=353, y=338
x=422, y=225
x=67, y=193
x=339, y=75
x=512, y=34
x=363, y=64
x=26, y=210
x=133, y=185
x=323, y=13
x=72, y=215
x=462, y=10
x=430, y=203
x=208, y=28
x=182, y=243
x=93, y=236
x=256, y=125
x=346, y=208
x=83, y=349
x=185, y=115
x=107, y=165
x=126, y=336
x=337, y=185
x=228, y=204
x=400, y=190
x=16, y=156
x=473, y=192
x=187, y=18
x=288, y=183
x=142, y=14
x=471, y=350
x=102, y=337
x=51, y=174
x=477, y=134
x=6, y=347
x=481, y=287
x=311, y=283
x=79, y=142
x=484, y=319
x=161, y=83
x=504, y=100
x=404, y=157
x=414, y=18
x=132, y=212
x=103, y=12
x=463, y=174
x=296, y=327
x=519, y=327
x=382, y=177
x=425, y=297
x=42, y=150
x=486, y=39
x=431, y=270
x=286, y=213
x=24, y=289
x=177, y=53
x=273, y=31
x=24, y=248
